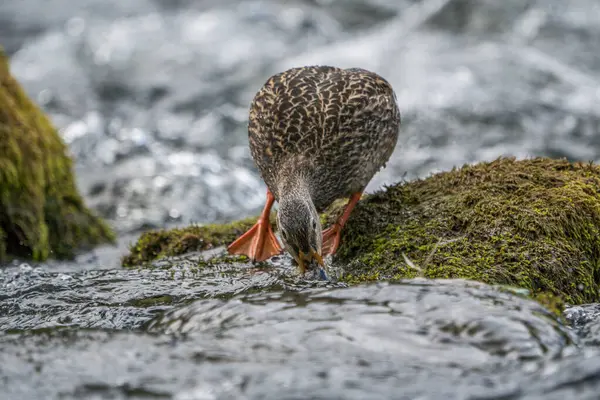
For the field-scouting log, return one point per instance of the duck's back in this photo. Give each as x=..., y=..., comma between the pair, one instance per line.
x=338, y=126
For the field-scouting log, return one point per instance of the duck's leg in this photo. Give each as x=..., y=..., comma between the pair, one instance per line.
x=259, y=243
x=331, y=236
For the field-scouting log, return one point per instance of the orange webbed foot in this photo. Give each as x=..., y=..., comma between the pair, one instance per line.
x=259, y=243
x=331, y=236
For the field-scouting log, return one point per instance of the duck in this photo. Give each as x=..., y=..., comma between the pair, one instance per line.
x=316, y=134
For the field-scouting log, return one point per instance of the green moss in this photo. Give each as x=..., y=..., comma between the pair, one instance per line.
x=533, y=224
x=164, y=243
x=554, y=304
x=41, y=212
x=151, y=301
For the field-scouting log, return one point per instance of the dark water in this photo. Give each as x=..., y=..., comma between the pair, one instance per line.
x=152, y=98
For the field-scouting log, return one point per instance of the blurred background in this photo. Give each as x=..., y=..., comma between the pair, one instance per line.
x=152, y=96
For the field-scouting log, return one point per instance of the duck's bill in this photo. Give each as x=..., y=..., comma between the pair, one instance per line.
x=316, y=256
x=306, y=259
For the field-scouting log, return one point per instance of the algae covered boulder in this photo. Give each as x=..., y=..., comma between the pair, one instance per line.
x=155, y=244
x=41, y=211
x=531, y=223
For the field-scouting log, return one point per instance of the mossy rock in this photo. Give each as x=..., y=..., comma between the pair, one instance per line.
x=41, y=211
x=532, y=223
x=156, y=244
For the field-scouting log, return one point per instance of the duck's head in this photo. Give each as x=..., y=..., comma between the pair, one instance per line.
x=300, y=229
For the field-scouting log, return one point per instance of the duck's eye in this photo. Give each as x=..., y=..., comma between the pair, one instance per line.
x=314, y=224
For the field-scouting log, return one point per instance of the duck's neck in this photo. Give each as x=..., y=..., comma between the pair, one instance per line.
x=294, y=185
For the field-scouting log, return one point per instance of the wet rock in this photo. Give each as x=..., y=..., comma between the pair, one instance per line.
x=530, y=224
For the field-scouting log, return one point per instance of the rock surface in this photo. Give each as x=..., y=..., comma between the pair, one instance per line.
x=531, y=223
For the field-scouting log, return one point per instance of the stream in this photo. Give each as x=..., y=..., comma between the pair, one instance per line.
x=152, y=98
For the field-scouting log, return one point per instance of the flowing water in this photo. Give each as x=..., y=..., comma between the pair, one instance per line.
x=152, y=98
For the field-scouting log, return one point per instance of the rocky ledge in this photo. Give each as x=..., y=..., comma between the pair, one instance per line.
x=531, y=224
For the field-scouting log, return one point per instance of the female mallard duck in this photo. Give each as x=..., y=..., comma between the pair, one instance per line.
x=316, y=134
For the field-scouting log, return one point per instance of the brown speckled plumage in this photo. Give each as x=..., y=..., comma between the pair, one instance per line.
x=337, y=127
x=316, y=134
